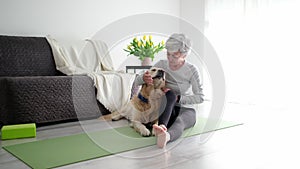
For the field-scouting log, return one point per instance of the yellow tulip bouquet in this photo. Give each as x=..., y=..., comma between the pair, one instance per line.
x=144, y=47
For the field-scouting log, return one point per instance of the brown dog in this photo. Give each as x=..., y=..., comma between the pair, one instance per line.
x=144, y=107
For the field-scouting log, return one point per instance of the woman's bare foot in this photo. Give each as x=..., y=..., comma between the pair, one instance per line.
x=162, y=135
x=162, y=139
x=159, y=129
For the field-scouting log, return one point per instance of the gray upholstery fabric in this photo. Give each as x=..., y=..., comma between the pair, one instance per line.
x=26, y=56
x=45, y=99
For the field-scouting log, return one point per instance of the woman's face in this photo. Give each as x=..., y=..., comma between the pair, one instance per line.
x=175, y=58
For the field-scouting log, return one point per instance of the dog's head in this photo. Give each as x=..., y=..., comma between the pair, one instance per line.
x=158, y=76
x=148, y=91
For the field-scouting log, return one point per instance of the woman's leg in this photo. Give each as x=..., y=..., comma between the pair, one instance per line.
x=185, y=119
x=164, y=119
x=168, y=111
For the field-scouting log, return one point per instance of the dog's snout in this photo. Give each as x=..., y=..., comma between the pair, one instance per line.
x=160, y=73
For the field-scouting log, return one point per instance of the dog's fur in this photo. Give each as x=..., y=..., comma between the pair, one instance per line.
x=139, y=112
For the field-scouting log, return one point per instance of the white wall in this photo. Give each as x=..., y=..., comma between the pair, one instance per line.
x=193, y=11
x=76, y=19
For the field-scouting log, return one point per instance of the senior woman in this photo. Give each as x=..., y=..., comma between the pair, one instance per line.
x=183, y=89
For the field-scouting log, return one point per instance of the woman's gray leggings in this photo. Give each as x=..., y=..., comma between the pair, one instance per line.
x=176, y=118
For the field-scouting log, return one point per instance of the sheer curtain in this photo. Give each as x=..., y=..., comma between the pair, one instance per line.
x=257, y=42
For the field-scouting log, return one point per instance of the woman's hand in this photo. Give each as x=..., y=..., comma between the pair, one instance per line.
x=147, y=78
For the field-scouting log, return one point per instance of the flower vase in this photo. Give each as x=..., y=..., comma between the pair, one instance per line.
x=147, y=61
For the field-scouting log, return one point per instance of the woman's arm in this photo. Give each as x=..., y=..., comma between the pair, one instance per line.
x=197, y=96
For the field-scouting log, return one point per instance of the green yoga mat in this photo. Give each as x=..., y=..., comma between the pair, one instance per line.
x=66, y=150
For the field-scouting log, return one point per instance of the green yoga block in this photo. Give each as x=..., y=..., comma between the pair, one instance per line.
x=18, y=131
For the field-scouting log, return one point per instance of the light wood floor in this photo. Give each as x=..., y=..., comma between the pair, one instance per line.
x=267, y=139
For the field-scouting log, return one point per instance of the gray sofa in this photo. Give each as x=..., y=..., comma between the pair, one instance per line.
x=32, y=90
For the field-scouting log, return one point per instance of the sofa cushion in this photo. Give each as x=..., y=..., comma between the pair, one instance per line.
x=26, y=56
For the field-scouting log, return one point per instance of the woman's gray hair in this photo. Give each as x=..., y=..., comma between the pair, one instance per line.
x=179, y=42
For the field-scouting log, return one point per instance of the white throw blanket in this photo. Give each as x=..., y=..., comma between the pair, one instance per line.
x=91, y=57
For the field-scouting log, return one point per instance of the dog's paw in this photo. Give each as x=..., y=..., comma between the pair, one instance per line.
x=153, y=133
x=131, y=124
x=116, y=116
x=140, y=128
x=145, y=132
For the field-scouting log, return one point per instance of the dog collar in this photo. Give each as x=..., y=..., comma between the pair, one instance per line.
x=142, y=98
